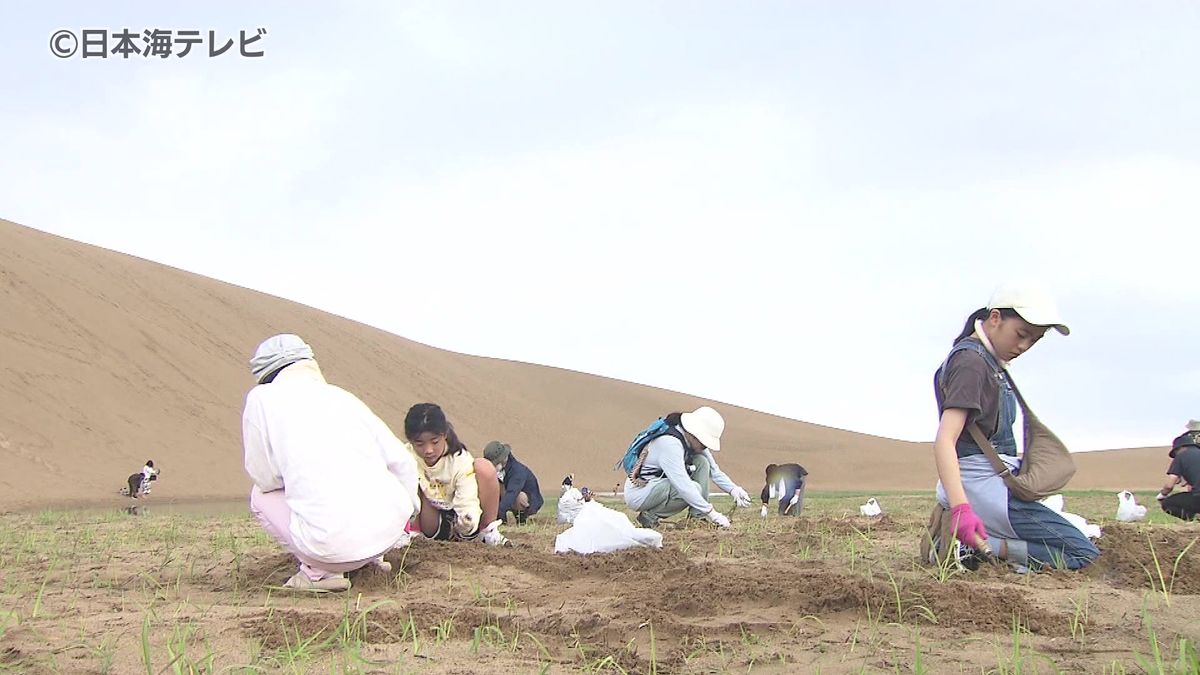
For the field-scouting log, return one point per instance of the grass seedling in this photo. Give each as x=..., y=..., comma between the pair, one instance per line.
x=443, y=630
x=543, y=653
x=1161, y=585
x=1154, y=663
x=1080, y=617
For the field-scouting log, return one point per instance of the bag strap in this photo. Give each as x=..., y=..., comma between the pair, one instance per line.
x=984, y=444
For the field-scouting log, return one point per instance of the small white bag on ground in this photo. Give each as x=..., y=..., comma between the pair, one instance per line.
x=1128, y=510
x=871, y=508
x=599, y=529
x=569, y=504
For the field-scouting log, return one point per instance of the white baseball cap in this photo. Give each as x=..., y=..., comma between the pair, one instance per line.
x=1032, y=302
x=706, y=425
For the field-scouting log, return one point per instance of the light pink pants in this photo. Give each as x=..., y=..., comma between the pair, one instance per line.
x=272, y=511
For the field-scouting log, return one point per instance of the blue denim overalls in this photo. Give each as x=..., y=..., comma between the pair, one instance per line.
x=985, y=490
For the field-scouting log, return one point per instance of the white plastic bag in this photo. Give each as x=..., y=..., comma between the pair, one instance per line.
x=599, y=529
x=569, y=505
x=1128, y=510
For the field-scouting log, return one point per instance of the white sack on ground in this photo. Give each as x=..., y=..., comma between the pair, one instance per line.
x=599, y=529
x=569, y=505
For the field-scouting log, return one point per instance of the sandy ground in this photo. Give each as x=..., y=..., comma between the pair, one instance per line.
x=107, y=360
x=827, y=592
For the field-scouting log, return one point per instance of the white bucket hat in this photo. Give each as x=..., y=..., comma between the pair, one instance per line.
x=706, y=425
x=1193, y=425
x=1034, y=305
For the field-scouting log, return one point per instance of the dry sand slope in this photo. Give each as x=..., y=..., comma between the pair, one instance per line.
x=107, y=359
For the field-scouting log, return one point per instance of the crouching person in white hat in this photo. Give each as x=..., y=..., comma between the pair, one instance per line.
x=674, y=464
x=332, y=483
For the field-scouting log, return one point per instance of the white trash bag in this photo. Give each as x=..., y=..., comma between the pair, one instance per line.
x=599, y=529
x=569, y=505
x=871, y=508
x=1128, y=510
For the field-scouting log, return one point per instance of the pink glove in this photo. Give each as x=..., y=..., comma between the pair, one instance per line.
x=967, y=526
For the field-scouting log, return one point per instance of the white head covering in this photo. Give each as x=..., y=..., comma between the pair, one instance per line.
x=276, y=352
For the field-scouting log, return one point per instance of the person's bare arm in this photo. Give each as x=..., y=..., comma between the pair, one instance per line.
x=944, y=455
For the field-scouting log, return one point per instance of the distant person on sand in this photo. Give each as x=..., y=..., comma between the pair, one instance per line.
x=972, y=386
x=520, y=493
x=785, y=482
x=1184, y=473
x=332, y=484
x=139, y=483
x=460, y=495
x=670, y=464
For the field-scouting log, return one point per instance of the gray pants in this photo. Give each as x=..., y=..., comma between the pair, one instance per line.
x=664, y=500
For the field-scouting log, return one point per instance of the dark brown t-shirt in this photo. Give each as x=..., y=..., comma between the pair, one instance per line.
x=970, y=384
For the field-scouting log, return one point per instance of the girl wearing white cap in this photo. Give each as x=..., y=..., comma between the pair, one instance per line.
x=972, y=387
x=332, y=484
x=675, y=466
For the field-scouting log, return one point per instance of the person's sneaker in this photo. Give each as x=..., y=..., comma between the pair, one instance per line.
x=330, y=584
x=964, y=557
x=645, y=520
x=967, y=557
x=382, y=565
x=492, y=536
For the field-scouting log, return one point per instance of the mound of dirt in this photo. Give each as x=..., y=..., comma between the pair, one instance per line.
x=1128, y=554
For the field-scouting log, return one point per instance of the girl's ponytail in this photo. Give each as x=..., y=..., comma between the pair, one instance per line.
x=969, y=327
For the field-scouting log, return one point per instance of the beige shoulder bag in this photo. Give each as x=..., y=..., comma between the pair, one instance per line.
x=1046, y=465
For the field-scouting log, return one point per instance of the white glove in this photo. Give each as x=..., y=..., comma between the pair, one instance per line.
x=764, y=511
x=492, y=536
x=740, y=496
x=795, y=499
x=718, y=518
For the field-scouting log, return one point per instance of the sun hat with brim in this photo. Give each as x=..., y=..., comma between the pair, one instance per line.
x=1034, y=305
x=1183, y=440
x=706, y=425
x=497, y=452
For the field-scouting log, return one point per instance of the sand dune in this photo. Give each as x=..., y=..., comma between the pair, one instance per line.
x=107, y=360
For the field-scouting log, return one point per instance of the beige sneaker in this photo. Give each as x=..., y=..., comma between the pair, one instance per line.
x=301, y=582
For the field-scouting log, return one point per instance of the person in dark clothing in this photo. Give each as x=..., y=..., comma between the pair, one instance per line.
x=785, y=482
x=1185, y=472
x=521, y=494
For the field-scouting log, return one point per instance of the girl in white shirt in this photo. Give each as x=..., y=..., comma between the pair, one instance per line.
x=460, y=495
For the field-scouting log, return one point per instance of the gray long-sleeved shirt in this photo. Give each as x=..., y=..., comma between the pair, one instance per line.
x=666, y=454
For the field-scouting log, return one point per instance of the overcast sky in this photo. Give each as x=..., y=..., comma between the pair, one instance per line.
x=787, y=206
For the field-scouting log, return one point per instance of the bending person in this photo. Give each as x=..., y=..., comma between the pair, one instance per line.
x=674, y=468
x=332, y=484
x=460, y=495
x=785, y=482
x=1184, y=473
x=520, y=493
